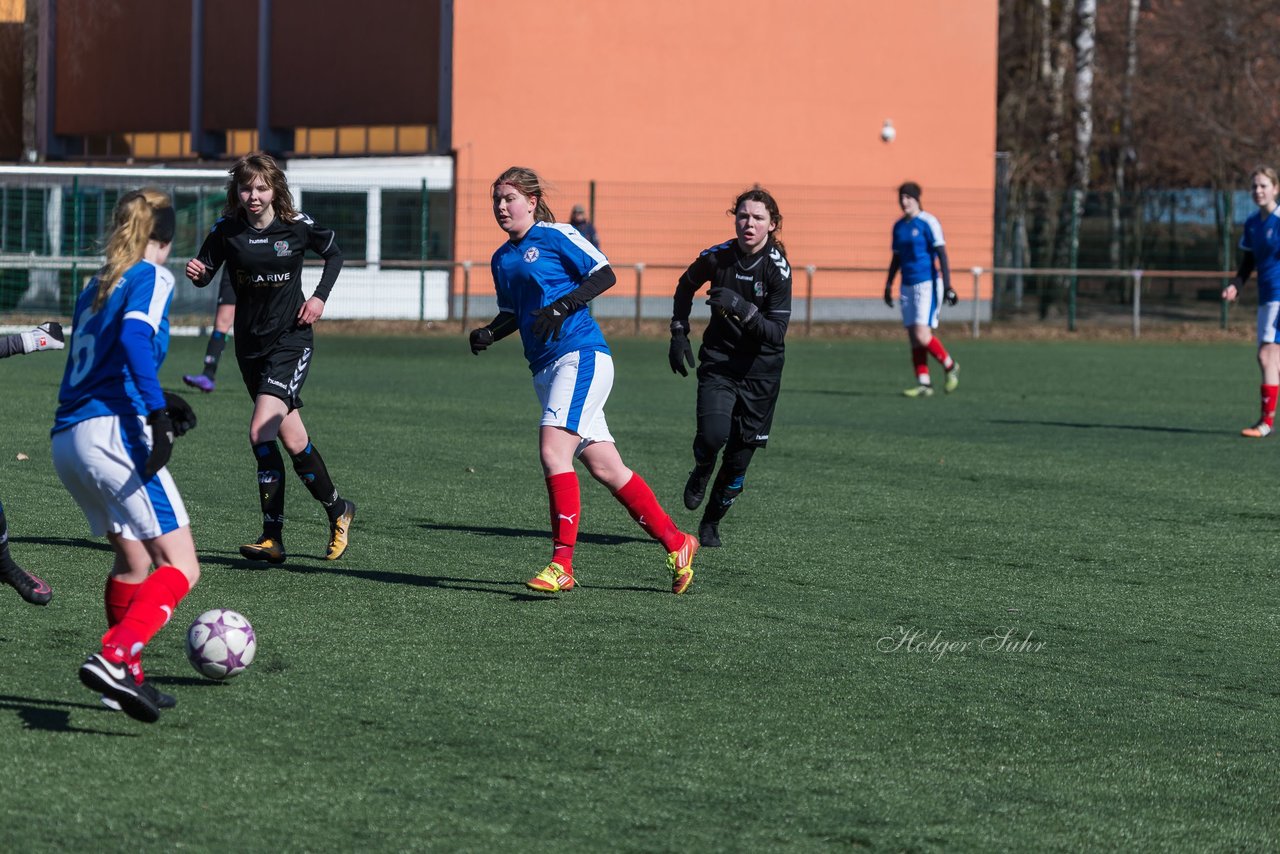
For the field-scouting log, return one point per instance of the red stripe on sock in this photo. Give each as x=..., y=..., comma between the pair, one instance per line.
x=565, y=499
x=643, y=506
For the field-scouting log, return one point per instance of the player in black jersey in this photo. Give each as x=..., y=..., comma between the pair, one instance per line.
x=740, y=360
x=261, y=238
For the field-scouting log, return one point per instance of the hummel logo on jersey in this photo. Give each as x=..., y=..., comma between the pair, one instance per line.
x=780, y=262
x=742, y=278
x=275, y=382
x=531, y=254
x=568, y=518
x=257, y=240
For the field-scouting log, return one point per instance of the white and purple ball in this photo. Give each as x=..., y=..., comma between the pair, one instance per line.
x=221, y=643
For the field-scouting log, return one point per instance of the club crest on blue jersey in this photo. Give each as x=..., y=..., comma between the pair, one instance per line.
x=531, y=254
x=282, y=248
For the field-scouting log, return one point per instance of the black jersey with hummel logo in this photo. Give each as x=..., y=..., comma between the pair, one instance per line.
x=266, y=272
x=765, y=280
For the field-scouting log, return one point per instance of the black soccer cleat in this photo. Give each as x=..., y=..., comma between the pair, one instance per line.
x=30, y=587
x=162, y=700
x=696, y=487
x=113, y=680
x=709, y=535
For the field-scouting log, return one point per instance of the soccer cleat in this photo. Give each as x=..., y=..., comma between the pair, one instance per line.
x=204, y=383
x=680, y=562
x=953, y=378
x=113, y=679
x=709, y=535
x=1261, y=430
x=919, y=391
x=554, y=579
x=30, y=587
x=270, y=549
x=696, y=486
x=339, y=530
x=162, y=700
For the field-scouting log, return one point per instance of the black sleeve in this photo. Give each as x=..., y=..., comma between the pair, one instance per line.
x=945, y=265
x=11, y=345
x=323, y=242
x=772, y=320
x=503, y=325
x=1247, y=263
x=894, y=264
x=212, y=254
x=592, y=286
x=698, y=274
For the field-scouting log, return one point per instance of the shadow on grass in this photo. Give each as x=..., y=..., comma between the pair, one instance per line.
x=53, y=715
x=1087, y=426
x=840, y=392
x=594, y=539
x=70, y=542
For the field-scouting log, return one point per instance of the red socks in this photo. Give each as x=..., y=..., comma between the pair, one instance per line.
x=643, y=506
x=920, y=360
x=1269, y=394
x=566, y=506
x=117, y=597
x=940, y=353
x=151, y=608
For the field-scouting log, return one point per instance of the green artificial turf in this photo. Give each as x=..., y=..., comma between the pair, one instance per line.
x=834, y=678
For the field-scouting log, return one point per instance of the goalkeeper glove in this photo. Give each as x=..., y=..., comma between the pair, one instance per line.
x=481, y=339
x=161, y=442
x=46, y=336
x=180, y=413
x=951, y=296
x=548, y=320
x=680, y=352
x=732, y=304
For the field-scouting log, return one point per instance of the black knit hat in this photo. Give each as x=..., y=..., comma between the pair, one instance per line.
x=910, y=188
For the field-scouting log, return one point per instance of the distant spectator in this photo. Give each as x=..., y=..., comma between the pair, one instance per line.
x=578, y=219
x=1260, y=250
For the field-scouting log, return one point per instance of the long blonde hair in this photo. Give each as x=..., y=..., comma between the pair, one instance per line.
x=530, y=186
x=133, y=224
x=252, y=167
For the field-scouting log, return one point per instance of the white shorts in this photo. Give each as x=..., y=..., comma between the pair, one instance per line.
x=1268, y=316
x=99, y=461
x=572, y=391
x=920, y=303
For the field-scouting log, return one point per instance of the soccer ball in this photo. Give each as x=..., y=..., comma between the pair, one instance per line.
x=221, y=644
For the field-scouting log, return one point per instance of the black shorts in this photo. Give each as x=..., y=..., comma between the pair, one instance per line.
x=749, y=403
x=280, y=372
x=226, y=293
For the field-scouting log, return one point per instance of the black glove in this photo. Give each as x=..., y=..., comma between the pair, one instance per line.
x=888, y=295
x=161, y=442
x=481, y=339
x=548, y=320
x=680, y=351
x=180, y=413
x=951, y=296
x=733, y=304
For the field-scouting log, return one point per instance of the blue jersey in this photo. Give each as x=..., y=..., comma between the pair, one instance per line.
x=915, y=242
x=98, y=379
x=1262, y=238
x=549, y=261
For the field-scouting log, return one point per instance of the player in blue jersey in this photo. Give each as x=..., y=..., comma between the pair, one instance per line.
x=920, y=253
x=1260, y=250
x=112, y=437
x=32, y=588
x=545, y=274
x=742, y=352
x=262, y=238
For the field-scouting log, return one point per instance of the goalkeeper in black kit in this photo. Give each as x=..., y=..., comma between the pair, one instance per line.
x=740, y=361
x=32, y=588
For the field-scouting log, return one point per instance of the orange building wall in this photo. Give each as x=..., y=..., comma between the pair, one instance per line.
x=672, y=106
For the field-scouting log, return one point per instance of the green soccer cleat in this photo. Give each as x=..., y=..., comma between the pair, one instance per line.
x=953, y=378
x=680, y=562
x=553, y=579
x=919, y=391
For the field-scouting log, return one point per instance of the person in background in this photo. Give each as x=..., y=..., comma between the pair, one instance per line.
x=741, y=358
x=32, y=588
x=262, y=238
x=578, y=219
x=112, y=438
x=920, y=252
x=545, y=274
x=1260, y=250
x=223, y=319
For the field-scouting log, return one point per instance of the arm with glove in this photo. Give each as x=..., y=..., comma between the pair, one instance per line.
x=46, y=336
x=548, y=320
